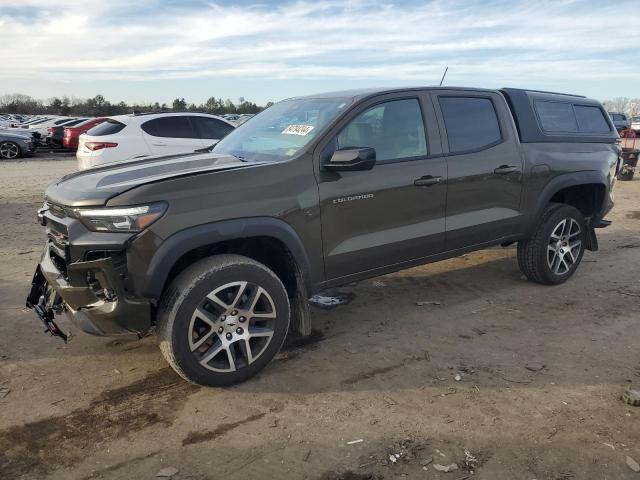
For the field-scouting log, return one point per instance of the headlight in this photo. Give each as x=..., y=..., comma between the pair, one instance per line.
x=121, y=219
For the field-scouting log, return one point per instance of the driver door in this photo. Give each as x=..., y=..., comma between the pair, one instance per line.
x=395, y=212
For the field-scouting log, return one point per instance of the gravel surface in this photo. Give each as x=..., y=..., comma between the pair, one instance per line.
x=461, y=362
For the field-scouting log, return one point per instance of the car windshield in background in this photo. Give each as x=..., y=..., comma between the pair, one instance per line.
x=617, y=117
x=282, y=130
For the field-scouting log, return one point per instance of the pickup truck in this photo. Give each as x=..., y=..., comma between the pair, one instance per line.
x=219, y=250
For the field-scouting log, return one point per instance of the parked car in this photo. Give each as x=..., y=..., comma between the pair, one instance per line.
x=124, y=137
x=14, y=146
x=620, y=121
x=221, y=250
x=635, y=125
x=72, y=134
x=55, y=134
x=43, y=128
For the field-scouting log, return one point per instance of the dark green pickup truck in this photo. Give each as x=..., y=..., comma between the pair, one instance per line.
x=220, y=250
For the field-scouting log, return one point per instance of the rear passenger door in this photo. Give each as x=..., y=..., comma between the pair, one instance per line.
x=172, y=134
x=484, y=166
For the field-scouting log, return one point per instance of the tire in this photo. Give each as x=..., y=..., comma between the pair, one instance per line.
x=222, y=288
x=553, y=253
x=10, y=150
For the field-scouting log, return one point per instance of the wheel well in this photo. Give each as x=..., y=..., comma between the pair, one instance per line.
x=587, y=197
x=269, y=251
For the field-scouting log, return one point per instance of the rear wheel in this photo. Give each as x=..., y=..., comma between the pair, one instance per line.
x=555, y=250
x=9, y=150
x=222, y=320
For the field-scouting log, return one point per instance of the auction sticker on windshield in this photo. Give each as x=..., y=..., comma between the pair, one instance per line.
x=297, y=130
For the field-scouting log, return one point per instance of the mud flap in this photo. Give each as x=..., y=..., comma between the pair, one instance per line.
x=591, y=240
x=300, y=312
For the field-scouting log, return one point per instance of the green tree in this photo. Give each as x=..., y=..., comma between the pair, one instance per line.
x=179, y=105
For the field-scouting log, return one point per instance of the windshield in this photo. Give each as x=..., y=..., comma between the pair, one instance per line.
x=282, y=130
x=618, y=117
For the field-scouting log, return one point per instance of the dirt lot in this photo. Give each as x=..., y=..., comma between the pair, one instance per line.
x=542, y=369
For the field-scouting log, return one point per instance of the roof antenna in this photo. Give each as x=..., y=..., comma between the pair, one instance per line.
x=444, y=75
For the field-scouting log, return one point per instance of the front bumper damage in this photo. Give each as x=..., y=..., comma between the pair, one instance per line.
x=91, y=293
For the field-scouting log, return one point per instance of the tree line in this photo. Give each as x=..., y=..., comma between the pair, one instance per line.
x=630, y=106
x=99, y=106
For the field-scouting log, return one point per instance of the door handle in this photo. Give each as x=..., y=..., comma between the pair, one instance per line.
x=427, y=181
x=505, y=169
x=159, y=144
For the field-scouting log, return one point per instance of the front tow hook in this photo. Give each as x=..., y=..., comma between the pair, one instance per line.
x=46, y=317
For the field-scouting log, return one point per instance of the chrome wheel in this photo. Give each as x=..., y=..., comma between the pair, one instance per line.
x=565, y=244
x=9, y=150
x=232, y=326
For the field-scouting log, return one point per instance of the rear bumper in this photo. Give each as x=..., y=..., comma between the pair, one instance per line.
x=99, y=307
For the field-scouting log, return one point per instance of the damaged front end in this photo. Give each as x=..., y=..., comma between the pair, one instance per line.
x=85, y=281
x=46, y=303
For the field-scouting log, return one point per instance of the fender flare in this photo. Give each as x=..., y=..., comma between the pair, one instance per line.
x=183, y=241
x=558, y=183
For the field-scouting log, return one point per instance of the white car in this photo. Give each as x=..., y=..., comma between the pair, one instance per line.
x=125, y=137
x=635, y=124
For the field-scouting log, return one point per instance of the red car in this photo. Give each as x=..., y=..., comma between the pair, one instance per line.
x=71, y=134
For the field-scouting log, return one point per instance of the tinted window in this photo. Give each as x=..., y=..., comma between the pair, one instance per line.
x=591, y=119
x=557, y=116
x=618, y=117
x=75, y=122
x=394, y=129
x=471, y=123
x=172, y=127
x=210, y=128
x=108, y=127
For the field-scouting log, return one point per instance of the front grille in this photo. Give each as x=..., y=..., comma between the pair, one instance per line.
x=58, y=259
x=57, y=210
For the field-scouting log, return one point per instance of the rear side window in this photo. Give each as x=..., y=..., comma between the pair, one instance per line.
x=591, y=119
x=108, y=127
x=562, y=117
x=471, y=122
x=618, y=117
x=210, y=128
x=169, y=127
x=557, y=117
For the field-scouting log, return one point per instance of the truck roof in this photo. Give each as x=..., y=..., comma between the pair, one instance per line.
x=361, y=93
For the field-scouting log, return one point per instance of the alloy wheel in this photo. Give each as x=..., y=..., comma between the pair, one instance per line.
x=9, y=150
x=232, y=326
x=564, y=246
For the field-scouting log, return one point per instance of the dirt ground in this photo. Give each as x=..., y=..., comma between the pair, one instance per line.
x=541, y=372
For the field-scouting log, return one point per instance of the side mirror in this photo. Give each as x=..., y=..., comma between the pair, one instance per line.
x=352, y=159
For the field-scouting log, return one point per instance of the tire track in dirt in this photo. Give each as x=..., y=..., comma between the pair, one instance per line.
x=36, y=447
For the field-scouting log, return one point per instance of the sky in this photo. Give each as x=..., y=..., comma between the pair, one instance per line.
x=151, y=50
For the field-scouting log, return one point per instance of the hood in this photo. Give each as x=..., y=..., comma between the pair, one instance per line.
x=96, y=186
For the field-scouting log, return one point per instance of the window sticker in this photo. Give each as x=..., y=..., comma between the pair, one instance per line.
x=297, y=130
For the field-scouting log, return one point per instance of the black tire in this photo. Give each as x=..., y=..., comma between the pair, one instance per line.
x=191, y=289
x=10, y=151
x=535, y=259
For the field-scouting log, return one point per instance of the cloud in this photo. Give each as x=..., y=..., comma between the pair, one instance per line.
x=498, y=41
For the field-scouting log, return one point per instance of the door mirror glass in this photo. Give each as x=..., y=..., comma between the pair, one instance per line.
x=352, y=159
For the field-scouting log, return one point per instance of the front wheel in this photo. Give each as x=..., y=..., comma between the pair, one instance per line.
x=555, y=250
x=9, y=150
x=222, y=320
